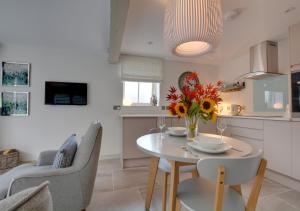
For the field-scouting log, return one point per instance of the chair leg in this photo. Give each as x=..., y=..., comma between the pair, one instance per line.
x=178, y=206
x=174, y=183
x=151, y=181
x=195, y=173
x=83, y=210
x=164, y=191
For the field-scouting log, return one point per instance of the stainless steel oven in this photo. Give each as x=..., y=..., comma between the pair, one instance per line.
x=295, y=81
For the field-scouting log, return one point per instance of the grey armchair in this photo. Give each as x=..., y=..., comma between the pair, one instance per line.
x=71, y=187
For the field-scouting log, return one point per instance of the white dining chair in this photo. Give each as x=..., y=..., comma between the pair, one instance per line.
x=218, y=188
x=165, y=166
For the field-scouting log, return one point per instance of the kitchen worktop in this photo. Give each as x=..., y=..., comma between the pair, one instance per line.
x=155, y=111
x=275, y=118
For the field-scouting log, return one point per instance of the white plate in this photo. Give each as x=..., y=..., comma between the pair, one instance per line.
x=175, y=134
x=222, y=149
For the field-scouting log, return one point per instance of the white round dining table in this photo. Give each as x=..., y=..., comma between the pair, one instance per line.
x=178, y=153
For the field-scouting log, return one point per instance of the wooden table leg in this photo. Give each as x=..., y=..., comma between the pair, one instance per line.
x=174, y=184
x=151, y=181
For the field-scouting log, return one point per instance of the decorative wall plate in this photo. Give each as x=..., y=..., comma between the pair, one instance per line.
x=181, y=80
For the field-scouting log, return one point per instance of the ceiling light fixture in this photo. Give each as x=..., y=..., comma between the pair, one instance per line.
x=193, y=27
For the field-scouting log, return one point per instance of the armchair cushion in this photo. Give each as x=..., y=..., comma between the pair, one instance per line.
x=65, y=155
x=46, y=158
x=34, y=199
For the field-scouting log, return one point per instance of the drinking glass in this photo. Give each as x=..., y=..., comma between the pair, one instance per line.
x=161, y=123
x=221, y=125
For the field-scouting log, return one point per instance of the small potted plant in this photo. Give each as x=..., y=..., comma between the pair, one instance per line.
x=195, y=102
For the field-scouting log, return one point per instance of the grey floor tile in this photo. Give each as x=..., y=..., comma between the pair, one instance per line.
x=156, y=204
x=122, y=200
x=274, y=203
x=292, y=197
x=269, y=188
x=106, y=167
x=125, y=190
x=103, y=183
x=129, y=178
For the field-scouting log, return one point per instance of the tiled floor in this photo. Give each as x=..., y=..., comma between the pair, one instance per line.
x=124, y=190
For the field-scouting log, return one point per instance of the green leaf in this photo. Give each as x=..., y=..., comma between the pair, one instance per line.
x=194, y=109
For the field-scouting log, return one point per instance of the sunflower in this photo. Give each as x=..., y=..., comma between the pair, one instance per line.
x=214, y=117
x=207, y=105
x=181, y=109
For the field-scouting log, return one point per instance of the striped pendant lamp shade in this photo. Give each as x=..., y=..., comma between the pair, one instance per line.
x=193, y=27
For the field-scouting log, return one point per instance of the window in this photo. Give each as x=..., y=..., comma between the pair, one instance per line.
x=139, y=93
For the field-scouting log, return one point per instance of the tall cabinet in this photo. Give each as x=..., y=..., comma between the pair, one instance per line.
x=294, y=33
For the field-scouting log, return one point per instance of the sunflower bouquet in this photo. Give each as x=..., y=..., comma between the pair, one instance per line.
x=196, y=101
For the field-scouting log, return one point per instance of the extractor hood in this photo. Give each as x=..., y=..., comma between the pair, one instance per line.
x=263, y=61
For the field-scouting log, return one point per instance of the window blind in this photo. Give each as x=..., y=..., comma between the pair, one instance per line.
x=139, y=68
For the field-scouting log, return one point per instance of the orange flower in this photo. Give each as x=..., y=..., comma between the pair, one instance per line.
x=172, y=110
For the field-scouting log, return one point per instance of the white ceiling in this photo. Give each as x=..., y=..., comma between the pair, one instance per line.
x=77, y=24
x=84, y=25
x=260, y=20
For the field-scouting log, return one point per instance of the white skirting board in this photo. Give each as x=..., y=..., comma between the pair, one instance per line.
x=283, y=180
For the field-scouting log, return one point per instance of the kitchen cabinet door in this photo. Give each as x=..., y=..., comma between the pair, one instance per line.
x=133, y=128
x=176, y=122
x=168, y=121
x=295, y=44
x=296, y=149
x=278, y=146
x=256, y=144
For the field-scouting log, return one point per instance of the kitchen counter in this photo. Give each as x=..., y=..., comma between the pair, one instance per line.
x=275, y=118
x=157, y=111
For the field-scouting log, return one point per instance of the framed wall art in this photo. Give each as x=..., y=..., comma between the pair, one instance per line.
x=15, y=103
x=15, y=74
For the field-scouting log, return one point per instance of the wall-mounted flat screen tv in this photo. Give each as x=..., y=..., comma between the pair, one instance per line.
x=65, y=93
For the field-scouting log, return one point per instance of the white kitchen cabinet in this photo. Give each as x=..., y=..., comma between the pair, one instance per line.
x=296, y=149
x=247, y=133
x=278, y=146
x=247, y=123
x=294, y=32
x=257, y=144
x=247, y=130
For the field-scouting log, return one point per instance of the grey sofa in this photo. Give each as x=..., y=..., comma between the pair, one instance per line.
x=71, y=187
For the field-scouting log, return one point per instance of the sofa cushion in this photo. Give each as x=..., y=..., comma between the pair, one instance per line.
x=65, y=155
x=33, y=199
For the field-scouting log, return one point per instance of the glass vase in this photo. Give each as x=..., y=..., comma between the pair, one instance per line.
x=191, y=127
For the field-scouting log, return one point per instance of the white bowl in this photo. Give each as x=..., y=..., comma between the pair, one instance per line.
x=209, y=141
x=177, y=130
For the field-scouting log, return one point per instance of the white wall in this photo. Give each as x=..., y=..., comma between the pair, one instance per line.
x=241, y=65
x=48, y=126
x=172, y=70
